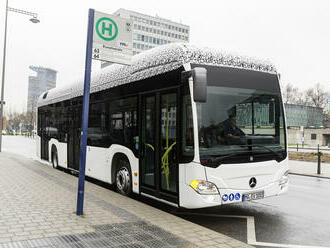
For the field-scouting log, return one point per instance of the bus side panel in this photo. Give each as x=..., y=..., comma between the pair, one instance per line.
x=38, y=147
x=96, y=163
x=61, y=148
x=62, y=154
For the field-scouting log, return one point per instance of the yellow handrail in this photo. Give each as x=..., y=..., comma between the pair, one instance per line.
x=149, y=145
x=165, y=164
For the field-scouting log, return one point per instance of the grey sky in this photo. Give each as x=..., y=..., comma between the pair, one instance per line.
x=294, y=34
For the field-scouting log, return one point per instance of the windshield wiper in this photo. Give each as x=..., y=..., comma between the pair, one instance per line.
x=278, y=154
x=219, y=159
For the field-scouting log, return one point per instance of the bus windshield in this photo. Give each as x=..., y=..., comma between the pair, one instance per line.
x=243, y=115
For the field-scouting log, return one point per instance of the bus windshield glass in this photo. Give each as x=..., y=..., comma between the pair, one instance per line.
x=242, y=116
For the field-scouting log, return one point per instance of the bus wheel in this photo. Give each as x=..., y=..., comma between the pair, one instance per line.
x=55, y=160
x=123, y=178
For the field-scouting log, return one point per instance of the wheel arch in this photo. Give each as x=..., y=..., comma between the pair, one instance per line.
x=52, y=143
x=115, y=165
x=52, y=152
x=118, y=152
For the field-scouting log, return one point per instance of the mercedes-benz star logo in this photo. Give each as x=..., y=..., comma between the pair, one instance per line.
x=253, y=182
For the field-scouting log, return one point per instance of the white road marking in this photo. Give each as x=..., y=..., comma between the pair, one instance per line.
x=287, y=245
x=251, y=234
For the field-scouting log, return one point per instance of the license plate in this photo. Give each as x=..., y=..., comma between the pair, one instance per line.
x=253, y=196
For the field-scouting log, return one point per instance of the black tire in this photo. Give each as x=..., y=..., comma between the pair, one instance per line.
x=55, y=159
x=123, y=178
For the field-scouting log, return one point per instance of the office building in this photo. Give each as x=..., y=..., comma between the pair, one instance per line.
x=44, y=80
x=152, y=31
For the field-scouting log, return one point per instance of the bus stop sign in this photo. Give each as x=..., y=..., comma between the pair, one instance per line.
x=109, y=38
x=112, y=38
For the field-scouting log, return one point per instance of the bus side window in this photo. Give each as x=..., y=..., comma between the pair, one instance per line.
x=123, y=122
x=116, y=128
x=98, y=126
x=130, y=128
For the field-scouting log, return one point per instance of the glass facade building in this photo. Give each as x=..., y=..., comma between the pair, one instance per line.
x=306, y=116
x=296, y=116
x=43, y=81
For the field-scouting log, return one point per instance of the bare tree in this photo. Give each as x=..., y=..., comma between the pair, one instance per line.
x=16, y=120
x=317, y=96
x=291, y=95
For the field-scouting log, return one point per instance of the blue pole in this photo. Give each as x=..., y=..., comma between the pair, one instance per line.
x=85, y=110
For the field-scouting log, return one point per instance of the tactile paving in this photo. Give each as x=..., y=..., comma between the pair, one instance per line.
x=132, y=235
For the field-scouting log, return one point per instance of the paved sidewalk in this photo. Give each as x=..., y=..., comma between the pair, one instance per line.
x=309, y=168
x=37, y=209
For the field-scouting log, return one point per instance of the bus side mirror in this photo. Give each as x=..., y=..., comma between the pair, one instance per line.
x=199, y=75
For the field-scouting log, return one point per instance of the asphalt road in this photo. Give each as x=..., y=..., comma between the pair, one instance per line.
x=299, y=218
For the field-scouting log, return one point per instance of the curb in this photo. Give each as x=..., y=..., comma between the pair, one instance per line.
x=309, y=175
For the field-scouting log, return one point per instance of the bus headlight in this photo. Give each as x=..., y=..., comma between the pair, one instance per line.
x=284, y=179
x=204, y=187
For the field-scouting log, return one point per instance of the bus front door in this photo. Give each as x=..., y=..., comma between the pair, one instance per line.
x=159, y=166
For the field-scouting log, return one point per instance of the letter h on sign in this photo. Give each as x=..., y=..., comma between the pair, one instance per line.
x=109, y=28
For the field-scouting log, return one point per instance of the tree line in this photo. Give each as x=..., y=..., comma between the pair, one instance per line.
x=20, y=121
x=315, y=96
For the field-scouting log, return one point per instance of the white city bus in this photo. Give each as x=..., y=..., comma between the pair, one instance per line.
x=186, y=126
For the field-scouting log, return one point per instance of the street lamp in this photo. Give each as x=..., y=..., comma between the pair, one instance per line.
x=34, y=19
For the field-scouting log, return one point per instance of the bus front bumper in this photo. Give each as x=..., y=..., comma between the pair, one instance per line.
x=191, y=199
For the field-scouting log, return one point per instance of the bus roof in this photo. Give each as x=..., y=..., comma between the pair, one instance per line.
x=154, y=62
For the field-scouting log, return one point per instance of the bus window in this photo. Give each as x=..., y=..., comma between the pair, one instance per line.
x=98, y=125
x=123, y=122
